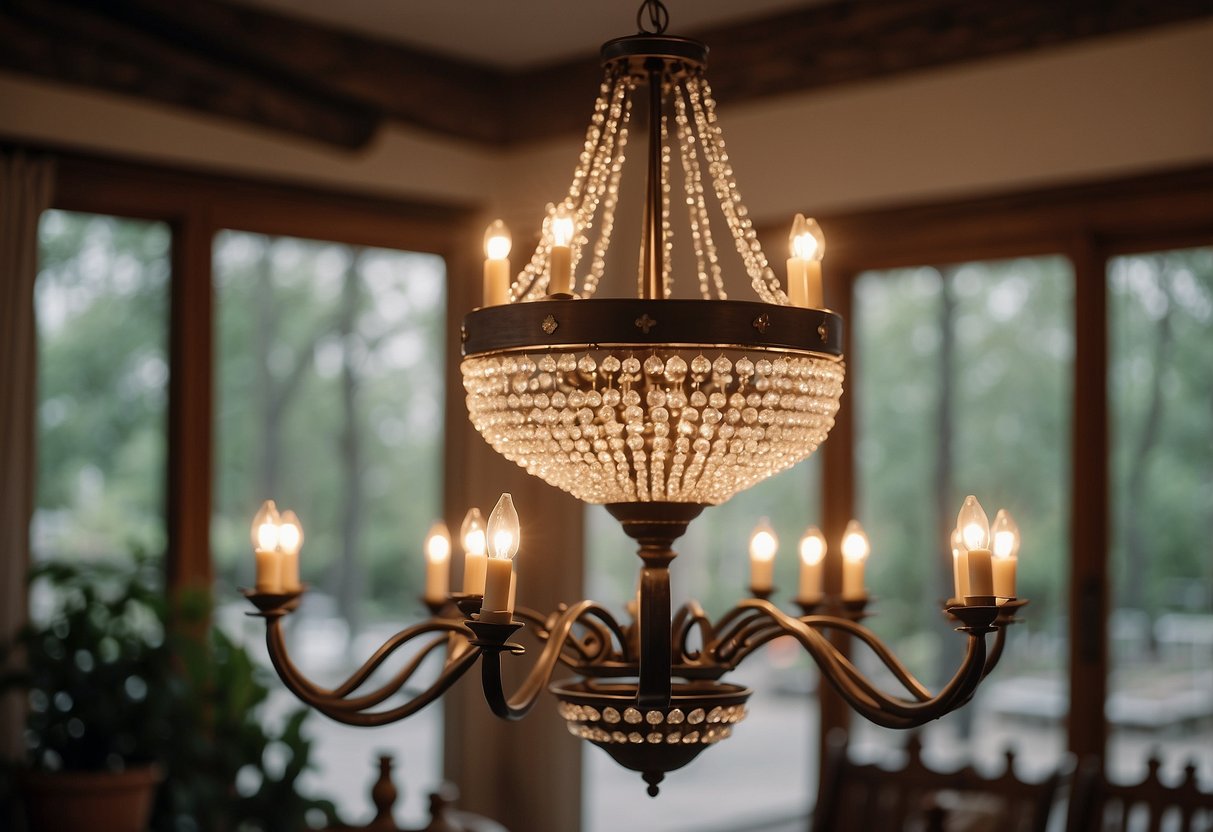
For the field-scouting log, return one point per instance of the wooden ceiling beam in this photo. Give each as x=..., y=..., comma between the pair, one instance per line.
x=77, y=44
x=336, y=87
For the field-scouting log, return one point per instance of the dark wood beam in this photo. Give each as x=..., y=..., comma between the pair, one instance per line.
x=847, y=41
x=276, y=71
x=79, y=44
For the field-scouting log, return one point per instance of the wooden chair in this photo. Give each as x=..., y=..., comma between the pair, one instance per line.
x=1149, y=806
x=858, y=797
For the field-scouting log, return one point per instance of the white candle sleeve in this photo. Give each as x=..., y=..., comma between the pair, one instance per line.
x=852, y=580
x=810, y=582
x=498, y=576
x=981, y=573
x=473, y=573
x=269, y=571
x=290, y=571
x=1004, y=577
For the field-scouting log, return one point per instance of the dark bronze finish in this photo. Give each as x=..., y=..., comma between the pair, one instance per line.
x=678, y=56
x=630, y=322
x=655, y=526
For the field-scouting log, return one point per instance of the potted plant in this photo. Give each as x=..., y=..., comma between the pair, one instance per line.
x=102, y=694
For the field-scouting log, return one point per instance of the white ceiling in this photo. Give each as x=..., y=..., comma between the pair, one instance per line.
x=513, y=34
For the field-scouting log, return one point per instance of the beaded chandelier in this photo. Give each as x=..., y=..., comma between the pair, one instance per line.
x=652, y=399
x=657, y=407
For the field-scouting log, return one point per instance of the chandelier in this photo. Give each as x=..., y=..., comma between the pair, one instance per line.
x=656, y=407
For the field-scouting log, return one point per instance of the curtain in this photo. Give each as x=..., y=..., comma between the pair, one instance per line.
x=26, y=186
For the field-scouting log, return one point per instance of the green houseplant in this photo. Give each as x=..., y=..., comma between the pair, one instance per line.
x=120, y=702
x=102, y=695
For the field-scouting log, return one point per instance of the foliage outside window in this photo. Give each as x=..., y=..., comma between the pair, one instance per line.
x=329, y=401
x=1161, y=628
x=101, y=303
x=962, y=378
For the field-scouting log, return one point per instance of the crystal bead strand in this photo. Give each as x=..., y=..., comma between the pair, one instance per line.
x=706, y=256
x=667, y=232
x=761, y=276
x=599, y=175
x=609, y=201
x=533, y=279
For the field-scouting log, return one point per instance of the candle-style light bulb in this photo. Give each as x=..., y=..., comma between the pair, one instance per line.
x=855, y=545
x=812, y=546
x=1005, y=532
x=265, y=527
x=973, y=524
x=471, y=533
x=806, y=239
x=496, y=264
x=1006, y=553
x=268, y=557
x=290, y=541
x=763, y=541
x=855, y=550
x=763, y=545
x=562, y=227
x=975, y=542
x=503, y=536
x=290, y=534
x=808, y=246
x=438, y=543
x=812, y=554
x=503, y=530
x=497, y=241
x=437, y=563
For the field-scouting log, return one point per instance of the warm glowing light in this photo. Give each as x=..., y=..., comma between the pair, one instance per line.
x=763, y=542
x=438, y=543
x=973, y=524
x=290, y=534
x=562, y=228
x=503, y=530
x=1005, y=532
x=807, y=240
x=497, y=241
x=812, y=546
x=855, y=546
x=472, y=533
x=265, y=527
x=956, y=542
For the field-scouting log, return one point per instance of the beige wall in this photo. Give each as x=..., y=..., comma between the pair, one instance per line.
x=1111, y=106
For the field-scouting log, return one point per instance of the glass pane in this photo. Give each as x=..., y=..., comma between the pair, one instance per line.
x=766, y=771
x=101, y=301
x=962, y=380
x=329, y=401
x=1160, y=308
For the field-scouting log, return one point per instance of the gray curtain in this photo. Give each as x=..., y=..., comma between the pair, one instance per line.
x=26, y=187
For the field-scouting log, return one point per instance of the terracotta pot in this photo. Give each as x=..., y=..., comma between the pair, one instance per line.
x=68, y=801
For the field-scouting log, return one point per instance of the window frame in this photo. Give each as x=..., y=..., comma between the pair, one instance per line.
x=1089, y=224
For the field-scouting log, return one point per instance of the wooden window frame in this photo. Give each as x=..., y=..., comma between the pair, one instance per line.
x=1089, y=224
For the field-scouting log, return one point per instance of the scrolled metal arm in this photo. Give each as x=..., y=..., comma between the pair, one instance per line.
x=336, y=703
x=754, y=622
x=557, y=634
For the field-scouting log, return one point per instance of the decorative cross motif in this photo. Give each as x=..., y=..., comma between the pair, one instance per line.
x=644, y=323
x=549, y=325
x=762, y=322
x=823, y=332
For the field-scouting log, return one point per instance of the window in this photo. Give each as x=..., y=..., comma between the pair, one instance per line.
x=962, y=379
x=328, y=403
x=1161, y=627
x=101, y=302
x=765, y=772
